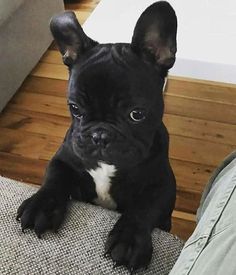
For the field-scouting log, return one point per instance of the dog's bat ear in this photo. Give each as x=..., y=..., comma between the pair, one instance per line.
x=154, y=37
x=70, y=37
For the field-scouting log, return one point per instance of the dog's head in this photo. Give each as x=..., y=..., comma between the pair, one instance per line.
x=115, y=90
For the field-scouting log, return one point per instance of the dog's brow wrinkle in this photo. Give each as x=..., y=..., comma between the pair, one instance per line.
x=97, y=57
x=117, y=53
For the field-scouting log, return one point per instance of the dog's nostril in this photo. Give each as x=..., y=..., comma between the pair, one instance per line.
x=100, y=138
x=104, y=136
x=95, y=137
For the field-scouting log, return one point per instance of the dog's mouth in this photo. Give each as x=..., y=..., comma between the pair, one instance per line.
x=117, y=154
x=100, y=153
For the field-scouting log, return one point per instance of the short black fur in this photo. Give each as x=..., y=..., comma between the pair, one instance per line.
x=108, y=85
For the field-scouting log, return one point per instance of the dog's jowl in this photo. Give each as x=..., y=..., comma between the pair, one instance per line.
x=115, y=152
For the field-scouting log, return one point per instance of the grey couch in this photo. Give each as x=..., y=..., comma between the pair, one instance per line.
x=78, y=247
x=24, y=37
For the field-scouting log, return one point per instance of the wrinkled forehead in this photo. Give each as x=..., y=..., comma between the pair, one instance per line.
x=112, y=70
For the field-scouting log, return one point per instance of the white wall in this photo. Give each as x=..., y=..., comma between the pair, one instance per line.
x=206, y=33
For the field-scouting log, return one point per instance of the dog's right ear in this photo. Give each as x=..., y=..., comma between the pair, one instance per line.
x=70, y=37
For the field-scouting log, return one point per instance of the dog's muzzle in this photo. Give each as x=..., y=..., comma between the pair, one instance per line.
x=101, y=137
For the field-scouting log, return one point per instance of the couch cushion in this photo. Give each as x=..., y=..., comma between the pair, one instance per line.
x=24, y=37
x=7, y=9
x=78, y=247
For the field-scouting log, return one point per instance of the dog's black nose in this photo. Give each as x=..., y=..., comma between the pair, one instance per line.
x=101, y=138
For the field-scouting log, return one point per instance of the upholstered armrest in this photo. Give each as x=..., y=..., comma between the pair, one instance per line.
x=77, y=248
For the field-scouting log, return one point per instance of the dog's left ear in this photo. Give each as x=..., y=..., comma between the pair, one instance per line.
x=70, y=37
x=154, y=37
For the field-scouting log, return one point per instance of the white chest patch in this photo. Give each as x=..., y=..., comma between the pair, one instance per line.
x=102, y=179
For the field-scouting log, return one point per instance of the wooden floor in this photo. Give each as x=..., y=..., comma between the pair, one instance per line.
x=200, y=116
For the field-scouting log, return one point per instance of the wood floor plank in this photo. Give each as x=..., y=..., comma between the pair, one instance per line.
x=198, y=151
x=25, y=144
x=183, y=215
x=34, y=122
x=50, y=149
x=22, y=168
x=40, y=103
x=82, y=5
x=52, y=57
x=82, y=9
x=195, y=108
x=208, y=91
x=182, y=228
x=206, y=130
x=82, y=16
x=55, y=71
x=47, y=86
x=187, y=201
x=191, y=177
x=203, y=81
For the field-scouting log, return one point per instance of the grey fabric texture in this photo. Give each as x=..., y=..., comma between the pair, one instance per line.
x=77, y=248
x=24, y=37
x=7, y=9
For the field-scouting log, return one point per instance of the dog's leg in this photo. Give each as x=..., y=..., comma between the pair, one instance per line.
x=46, y=209
x=129, y=242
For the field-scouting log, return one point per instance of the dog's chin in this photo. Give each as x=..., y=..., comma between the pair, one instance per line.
x=110, y=155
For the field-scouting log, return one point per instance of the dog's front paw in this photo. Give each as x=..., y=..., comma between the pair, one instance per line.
x=129, y=245
x=41, y=212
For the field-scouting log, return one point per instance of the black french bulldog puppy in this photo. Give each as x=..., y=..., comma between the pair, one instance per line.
x=115, y=152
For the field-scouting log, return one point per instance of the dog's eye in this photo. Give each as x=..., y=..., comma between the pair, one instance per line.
x=137, y=115
x=75, y=110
